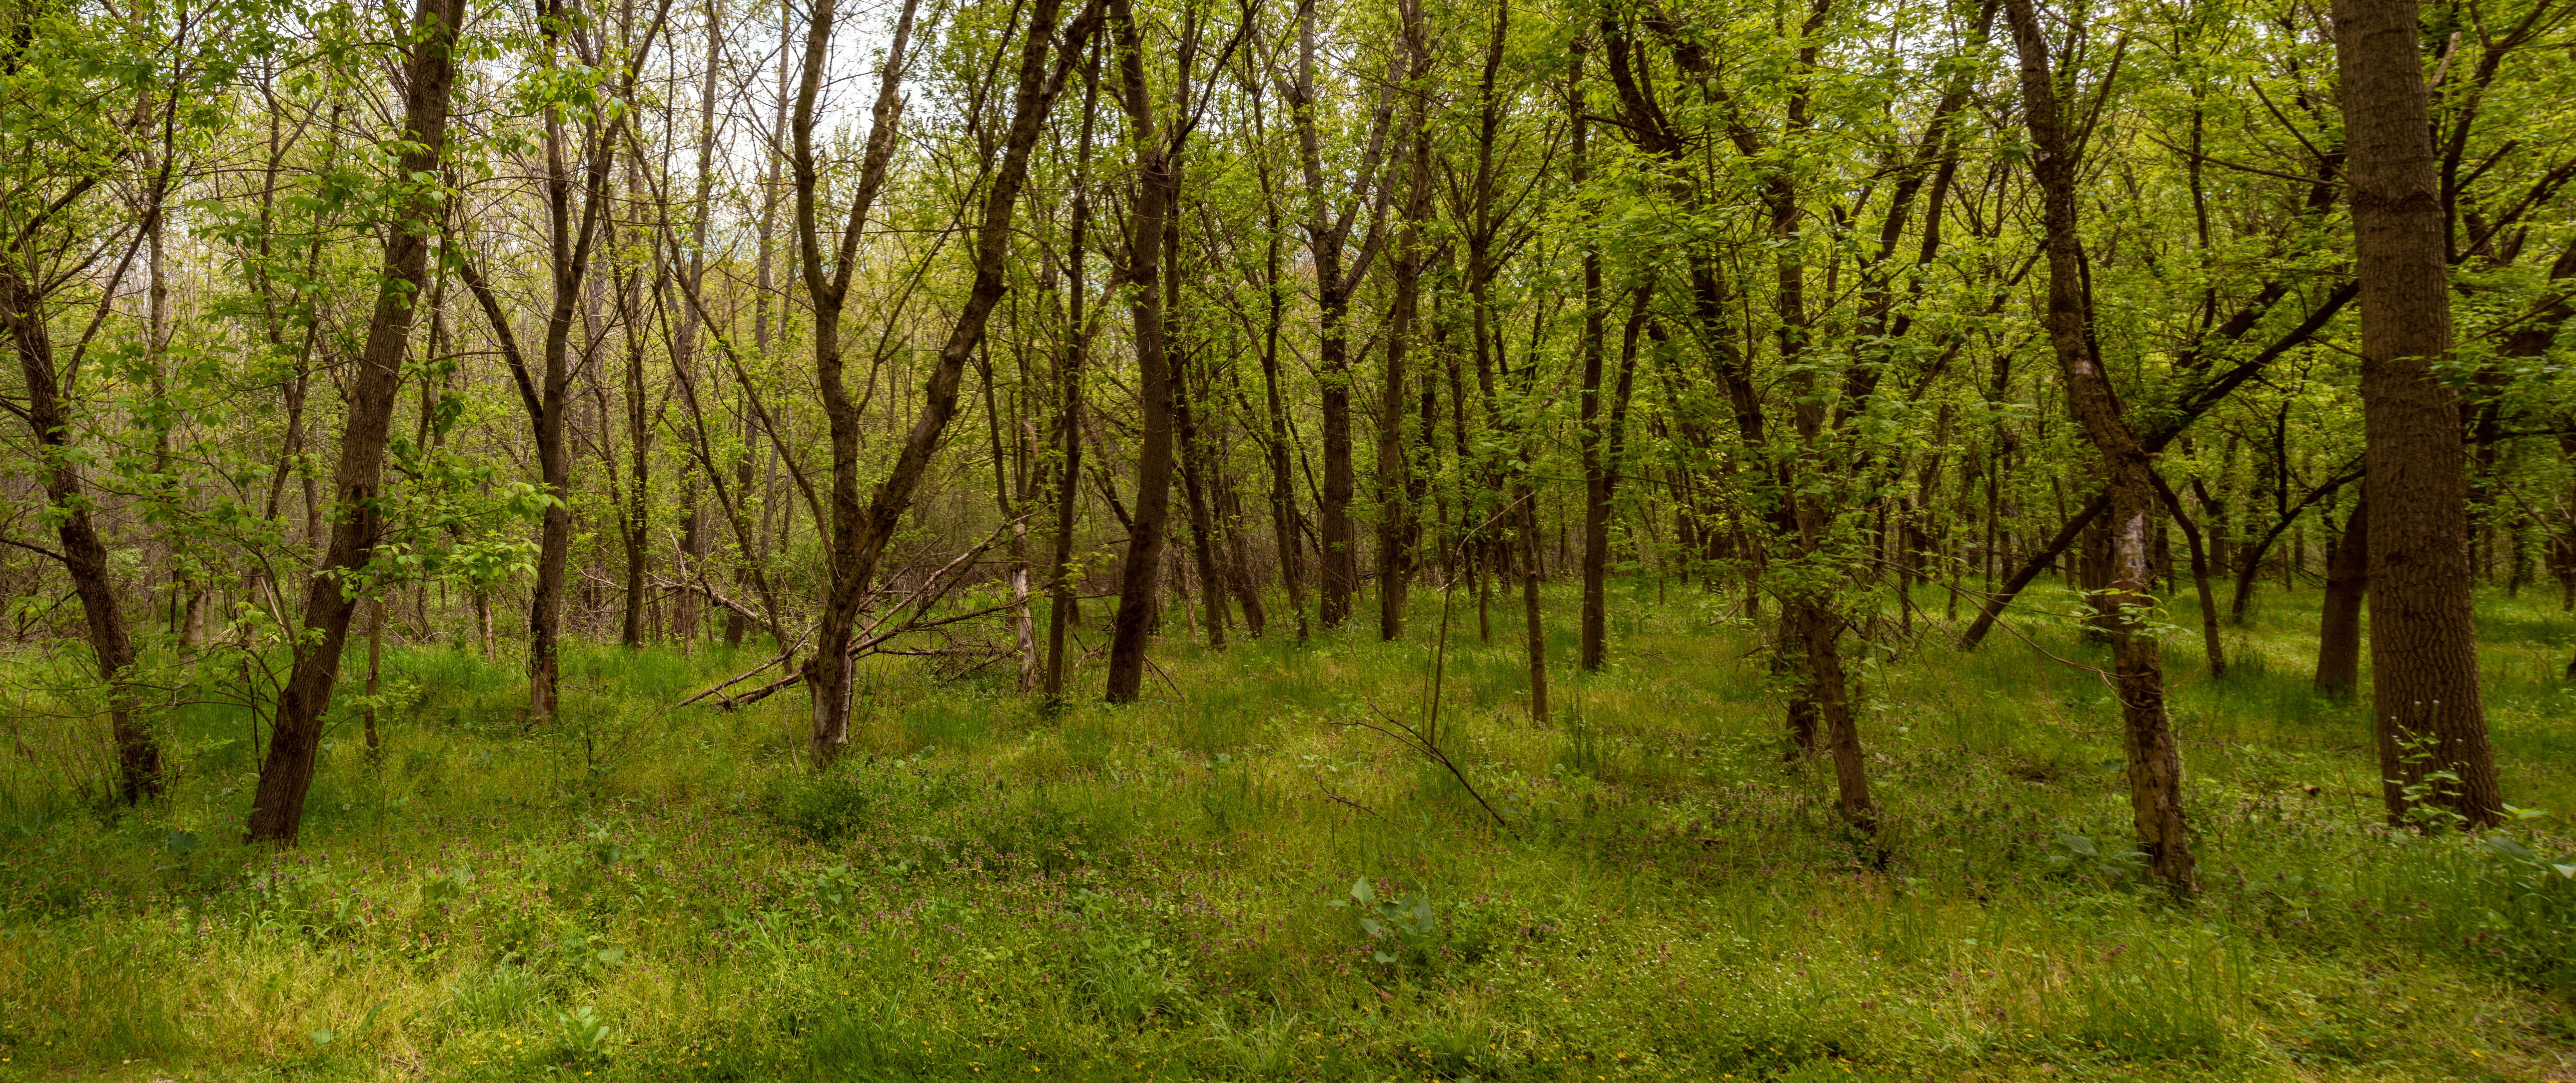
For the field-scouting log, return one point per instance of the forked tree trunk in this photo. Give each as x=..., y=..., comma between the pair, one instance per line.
x=286, y=773
x=2155, y=761
x=2423, y=645
x=858, y=536
x=1337, y=273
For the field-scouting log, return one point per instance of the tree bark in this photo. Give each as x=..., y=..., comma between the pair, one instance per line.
x=858, y=537
x=1283, y=479
x=2155, y=761
x=2339, y=625
x=1536, y=632
x=1205, y=551
x=2209, y=641
x=1077, y=339
x=2423, y=642
x=331, y=595
x=84, y=554
x=1397, y=521
x=1157, y=185
x=1327, y=234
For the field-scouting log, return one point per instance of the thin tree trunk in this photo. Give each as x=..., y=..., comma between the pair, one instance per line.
x=1536, y=632
x=1068, y=493
x=1398, y=515
x=84, y=554
x=858, y=538
x=375, y=662
x=2209, y=641
x=1190, y=451
x=1018, y=571
x=2155, y=761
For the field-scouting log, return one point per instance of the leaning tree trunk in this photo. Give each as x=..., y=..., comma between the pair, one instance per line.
x=2423, y=644
x=84, y=554
x=2155, y=762
x=277, y=809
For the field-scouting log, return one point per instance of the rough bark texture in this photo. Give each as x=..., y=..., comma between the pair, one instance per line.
x=2423, y=646
x=2154, y=760
x=286, y=773
x=1156, y=185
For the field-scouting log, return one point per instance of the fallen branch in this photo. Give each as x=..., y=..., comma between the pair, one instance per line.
x=870, y=640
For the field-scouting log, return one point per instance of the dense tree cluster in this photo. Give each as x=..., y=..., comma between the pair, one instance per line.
x=1024, y=332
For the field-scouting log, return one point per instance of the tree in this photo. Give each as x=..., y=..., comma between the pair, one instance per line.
x=331, y=595
x=2155, y=760
x=2425, y=699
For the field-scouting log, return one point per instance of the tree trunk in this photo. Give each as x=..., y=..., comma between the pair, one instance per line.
x=858, y=538
x=1192, y=453
x=2209, y=642
x=375, y=662
x=84, y=555
x=1157, y=185
x=1327, y=231
x=1283, y=480
x=1536, y=640
x=1068, y=492
x=2423, y=643
x=2339, y=626
x=286, y=772
x=1398, y=515
x=2155, y=762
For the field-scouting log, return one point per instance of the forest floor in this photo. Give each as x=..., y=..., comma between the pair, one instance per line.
x=1167, y=891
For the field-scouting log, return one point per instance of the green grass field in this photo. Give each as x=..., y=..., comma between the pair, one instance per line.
x=1167, y=891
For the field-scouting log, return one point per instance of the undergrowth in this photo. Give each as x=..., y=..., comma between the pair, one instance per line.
x=1222, y=883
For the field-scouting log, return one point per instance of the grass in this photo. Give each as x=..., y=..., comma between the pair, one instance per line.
x=638, y=892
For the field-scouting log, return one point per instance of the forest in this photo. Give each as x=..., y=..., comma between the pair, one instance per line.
x=1288, y=539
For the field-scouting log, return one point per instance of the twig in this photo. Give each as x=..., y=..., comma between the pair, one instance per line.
x=1409, y=738
x=1329, y=795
